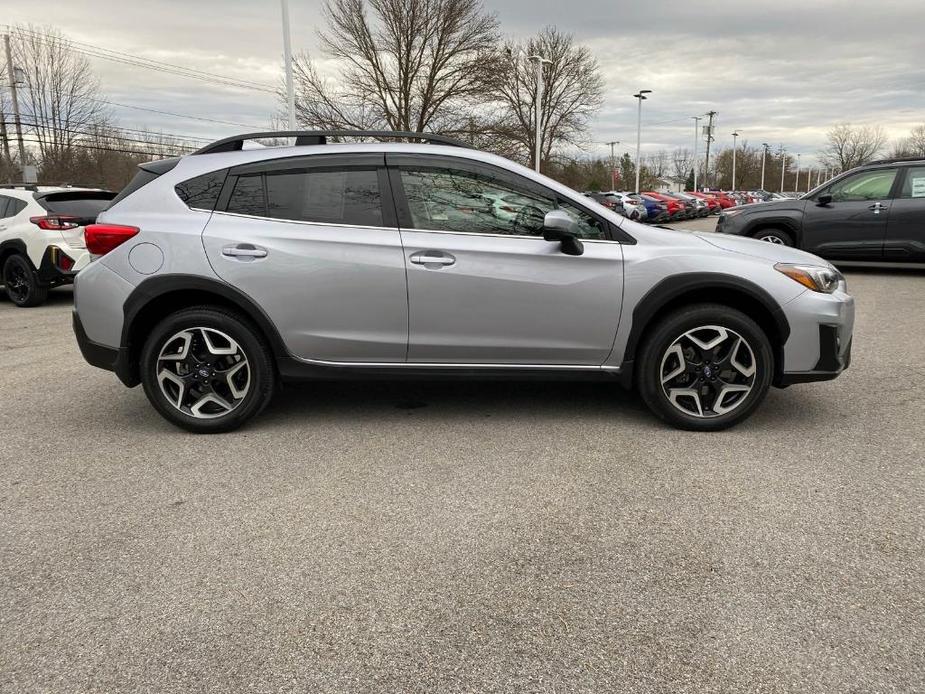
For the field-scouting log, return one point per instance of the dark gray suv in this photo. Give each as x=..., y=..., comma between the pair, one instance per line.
x=875, y=212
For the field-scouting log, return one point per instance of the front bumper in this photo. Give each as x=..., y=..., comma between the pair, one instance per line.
x=821, y=335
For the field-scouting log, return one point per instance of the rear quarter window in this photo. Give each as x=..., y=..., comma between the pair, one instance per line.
x=202, y=192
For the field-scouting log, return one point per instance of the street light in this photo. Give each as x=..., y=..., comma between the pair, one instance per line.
x=540, y=62
x=765, y=147
x=287, y=49
x=796, y=185
x=783, y=166
x=697, y=120
x=641, y=96
x=735, y=135
x=613, y=165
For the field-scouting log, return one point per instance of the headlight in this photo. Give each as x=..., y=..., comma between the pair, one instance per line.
x=815, y=277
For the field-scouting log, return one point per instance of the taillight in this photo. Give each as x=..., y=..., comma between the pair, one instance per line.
x=102, y=238
x=55, y=222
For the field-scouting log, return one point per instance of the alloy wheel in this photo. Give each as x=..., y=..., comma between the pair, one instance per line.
x=203, y=372
x=772, y=238
x=17, y=283
x=708, y=371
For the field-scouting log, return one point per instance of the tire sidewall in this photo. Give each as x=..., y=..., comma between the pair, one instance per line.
x=675, y=325
x=249, y=340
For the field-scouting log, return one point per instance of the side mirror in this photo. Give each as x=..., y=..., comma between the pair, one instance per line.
x=559, y=226
x=824, y=199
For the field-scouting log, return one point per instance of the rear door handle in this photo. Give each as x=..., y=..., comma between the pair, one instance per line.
x=244, y=250
x=432, y=258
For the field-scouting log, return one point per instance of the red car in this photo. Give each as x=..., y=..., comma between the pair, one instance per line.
x=712, y=203
x=676, y=208
x=723, y=199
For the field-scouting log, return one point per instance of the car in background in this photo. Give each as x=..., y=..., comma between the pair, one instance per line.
x=700, y=206
x=677, y=210
x=656, y=210
x=633, y=206
x=712, y=203
x=608, y=200
x=42, y=237
x=874, y=212
x=725, y=202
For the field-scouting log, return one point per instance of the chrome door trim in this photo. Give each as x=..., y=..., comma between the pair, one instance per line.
x=303, y=222
x=455, y=365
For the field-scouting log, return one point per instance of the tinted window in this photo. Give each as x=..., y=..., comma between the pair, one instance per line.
x=141, y=178
x=84, y=205
x=3, y=205
x=452, y=200
x=202, y=192
x=867, y=185
x=914, y=185
x=15, y=207
x=348, y=196
x=247, y=196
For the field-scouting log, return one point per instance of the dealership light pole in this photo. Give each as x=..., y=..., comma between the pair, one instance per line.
x=697, y=120
x=783, y=166
x=613, y=165
x=641, y=96
x=764, y=153
x=735, y=136
x=287, y=49
x=796, y=185
x=540, y=62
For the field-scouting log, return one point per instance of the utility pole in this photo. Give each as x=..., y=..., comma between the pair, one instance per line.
x=697, y=120
x=735, y=137
x=706, y=160
x=15, y=96
x=641, y=96
x=783, y=167
x=287, y=57
x=613, y=165
x=764, y=153
x=540, y=62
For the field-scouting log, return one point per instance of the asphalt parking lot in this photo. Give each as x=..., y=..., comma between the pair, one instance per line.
x=465, y=537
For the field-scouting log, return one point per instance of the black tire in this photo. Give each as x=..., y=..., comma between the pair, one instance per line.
x=774, y=235
x=21, y=283
x=252, y=346
x=663, y=335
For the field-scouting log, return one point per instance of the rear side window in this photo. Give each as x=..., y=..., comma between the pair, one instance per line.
x=346, y=196
x=913, y=186
x=83, y=205
x=4, y=202
x=15, y=207
x=202, y=192
x=247, y=196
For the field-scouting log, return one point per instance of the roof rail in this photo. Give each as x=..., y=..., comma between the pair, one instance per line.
x=24, y=186
x=320, y=137
x=894, y=160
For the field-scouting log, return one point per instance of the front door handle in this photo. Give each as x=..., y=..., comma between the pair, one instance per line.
x=877, y=206
x=432, y=259
x=244, y=250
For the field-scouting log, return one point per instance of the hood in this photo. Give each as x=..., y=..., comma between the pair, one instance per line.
x=761, y=249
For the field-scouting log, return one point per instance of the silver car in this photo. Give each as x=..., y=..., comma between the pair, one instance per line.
x=218, y=275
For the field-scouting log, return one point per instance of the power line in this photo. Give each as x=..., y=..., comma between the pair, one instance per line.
x=177, y=115
x=159, y=152
x=102, y=133
x=158, y=66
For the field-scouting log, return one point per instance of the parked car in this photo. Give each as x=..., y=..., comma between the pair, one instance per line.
x=698, y=207
x=875, y=212
x=223, y=273
x=676, y=209
x=41, y=237
x=608, y=200
x=656, y=210
x=633, y=206
x=712, y=203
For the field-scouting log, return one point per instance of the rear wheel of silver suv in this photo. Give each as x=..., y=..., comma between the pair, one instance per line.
x=207, y=370
x=705, y=367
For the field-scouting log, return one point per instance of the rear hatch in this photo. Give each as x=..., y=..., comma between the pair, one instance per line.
x=81, y=205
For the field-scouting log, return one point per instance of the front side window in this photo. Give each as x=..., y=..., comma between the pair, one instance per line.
x=867, y=185
x=345, y=196
x=465, y=201
x=914, y=185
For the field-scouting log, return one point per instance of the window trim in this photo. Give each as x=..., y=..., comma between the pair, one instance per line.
x=891, y=195
x=320, y=162
x=905, y=172
x=398, y=161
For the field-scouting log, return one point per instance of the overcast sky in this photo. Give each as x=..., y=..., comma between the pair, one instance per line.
x=778, y=72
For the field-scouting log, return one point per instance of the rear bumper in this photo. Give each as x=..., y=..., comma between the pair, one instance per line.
x=102, y=356
x=60, y=264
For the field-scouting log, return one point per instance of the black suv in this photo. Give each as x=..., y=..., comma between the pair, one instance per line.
x=875, y=212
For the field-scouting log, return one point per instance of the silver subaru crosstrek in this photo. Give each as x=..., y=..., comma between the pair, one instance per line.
x=218, y=275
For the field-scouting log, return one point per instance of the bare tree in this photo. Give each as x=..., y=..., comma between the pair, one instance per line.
x=682, y=162
x=912, y=146
x=848, y=146
x=414, y=65
x=61, y=96
x=572, y=93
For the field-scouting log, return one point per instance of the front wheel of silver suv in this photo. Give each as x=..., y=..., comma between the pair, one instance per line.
x=207, y=370
x=705, y=367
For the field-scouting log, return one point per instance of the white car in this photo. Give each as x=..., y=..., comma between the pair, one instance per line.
x=42, y=237
x=633, y=207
